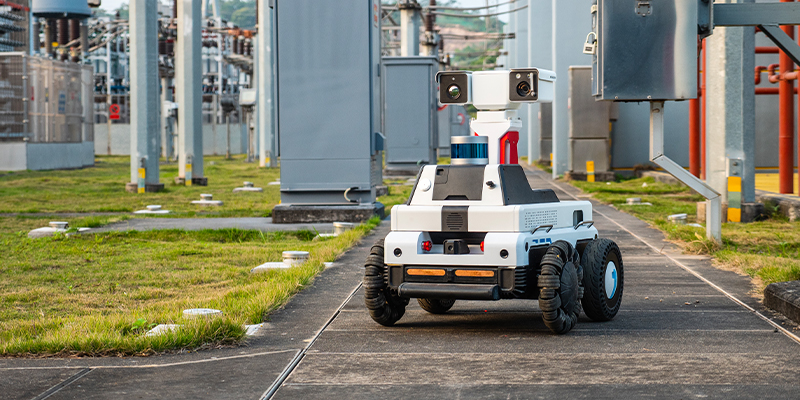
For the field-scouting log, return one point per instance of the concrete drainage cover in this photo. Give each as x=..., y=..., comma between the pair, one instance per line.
x=252, y=329
x=269, y=266
x=44, y=232
x=161, y=329
x=152, y=209
x=201, y=312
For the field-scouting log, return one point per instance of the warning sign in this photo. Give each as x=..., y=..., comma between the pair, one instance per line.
x=113, y=111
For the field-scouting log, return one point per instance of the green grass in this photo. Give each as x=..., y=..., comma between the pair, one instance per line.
x=768, y=251
x=102, y=189
x=98, y=294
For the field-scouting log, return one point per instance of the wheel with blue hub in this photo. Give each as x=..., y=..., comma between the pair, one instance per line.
x=603, y=279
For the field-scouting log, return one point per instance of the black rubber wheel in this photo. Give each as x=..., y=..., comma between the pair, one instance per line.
x=603, y=280
x=385, y=306
x=560, y=287
x=436, y=306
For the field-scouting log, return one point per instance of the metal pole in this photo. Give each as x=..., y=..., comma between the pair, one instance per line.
x=108, y=93
x=265, y=104
x=533, y=109
x=409, y=27
x=730, y=122
x=713, y=208
x=786, y=120
x=188, y=82
x=228, y=142
x=145, y=133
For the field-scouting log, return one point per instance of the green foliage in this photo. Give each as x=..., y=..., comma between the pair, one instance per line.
x=242, y=13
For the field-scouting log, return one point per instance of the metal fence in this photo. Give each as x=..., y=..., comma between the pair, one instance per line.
x=54, y=106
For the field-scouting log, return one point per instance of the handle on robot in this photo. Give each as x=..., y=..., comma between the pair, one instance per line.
x=548, y=227
x=582, y=223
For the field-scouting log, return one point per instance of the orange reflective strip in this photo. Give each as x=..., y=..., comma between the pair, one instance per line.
x=425, y=272
x=474, y=273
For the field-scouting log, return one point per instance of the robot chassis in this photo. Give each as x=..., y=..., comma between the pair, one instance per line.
x=475, y=230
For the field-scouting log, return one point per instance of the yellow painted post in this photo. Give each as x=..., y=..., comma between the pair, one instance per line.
x=141, y=186
x=590, y=171
x=551, y=160
x=188, y=178
x=734, y=199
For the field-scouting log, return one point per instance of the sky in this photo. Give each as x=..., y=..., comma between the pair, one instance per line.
x=114, y=4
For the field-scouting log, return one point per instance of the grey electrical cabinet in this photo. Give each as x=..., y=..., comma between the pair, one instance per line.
x=589, y=131
x=646, y=50
x=410, y=121
x=328, y=63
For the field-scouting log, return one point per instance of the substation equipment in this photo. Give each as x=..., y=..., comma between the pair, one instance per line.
x=46, y=102
x=475, y=230
x=410, y=119
x=328, y=57
x=646, y=51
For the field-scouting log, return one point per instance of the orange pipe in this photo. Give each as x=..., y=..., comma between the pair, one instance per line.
x=770, y=90
x=703, y=115
x=694, y=125
x=786, y=120
x=767, y=50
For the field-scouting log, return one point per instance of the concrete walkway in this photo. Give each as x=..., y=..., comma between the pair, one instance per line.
x=685, y=330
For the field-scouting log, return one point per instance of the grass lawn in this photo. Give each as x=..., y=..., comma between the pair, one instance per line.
x=768, y=251
x=102, y=189
x=97, y=294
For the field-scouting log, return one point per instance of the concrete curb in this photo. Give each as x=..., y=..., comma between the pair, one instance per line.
x=784, y=297
x=788, y=205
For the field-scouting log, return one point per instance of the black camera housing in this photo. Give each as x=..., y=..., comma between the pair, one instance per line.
x=523, y=84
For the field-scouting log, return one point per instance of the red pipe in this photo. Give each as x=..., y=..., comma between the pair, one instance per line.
x=786, y=120
x=767, y=50
x=758, y=71
x=694, y=125
x=771, y=90
x=703, y=115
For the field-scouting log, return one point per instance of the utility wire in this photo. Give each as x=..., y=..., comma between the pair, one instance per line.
x=468, y=8
x=478, y=15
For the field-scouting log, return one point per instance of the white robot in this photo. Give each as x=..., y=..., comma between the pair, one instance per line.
x=475, y=230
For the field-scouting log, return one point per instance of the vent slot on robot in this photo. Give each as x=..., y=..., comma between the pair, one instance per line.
x=455, y=219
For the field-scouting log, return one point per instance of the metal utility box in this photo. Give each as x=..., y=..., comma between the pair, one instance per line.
x=328, y=62
x=646, y=50
x=589, y=123
x=453, y=121
x=410, y=120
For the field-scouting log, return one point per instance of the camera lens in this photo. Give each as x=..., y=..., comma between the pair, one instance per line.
x=523, y=89
x=454, y=91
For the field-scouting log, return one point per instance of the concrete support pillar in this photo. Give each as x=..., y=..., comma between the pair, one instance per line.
x=268, y=154
x=409, y=27
x=167, y=142
x=188, y=85
x=518, y=51
x=730, y=121
x=540, y=55
x=566, y=38
x=145, y=137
